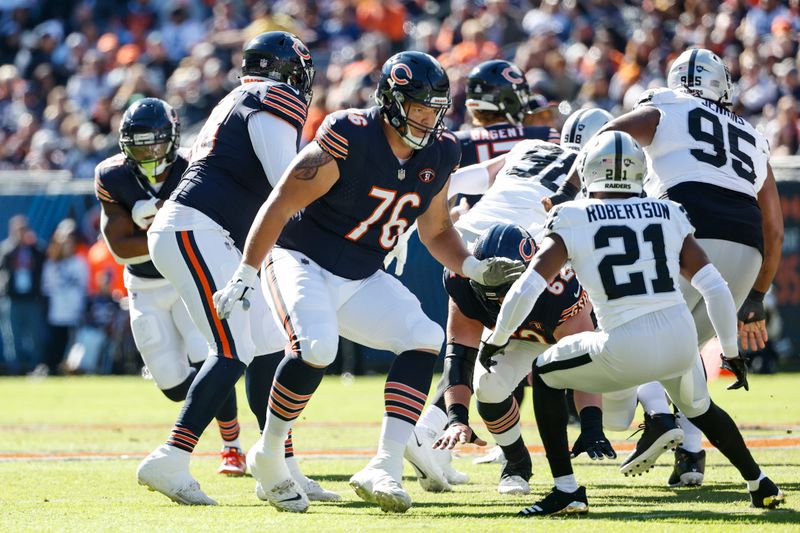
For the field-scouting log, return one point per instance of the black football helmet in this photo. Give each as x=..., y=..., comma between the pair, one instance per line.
x=498, y=86
x=413, y=77
x=149, y=135
x=280, y=56
x=501, y=240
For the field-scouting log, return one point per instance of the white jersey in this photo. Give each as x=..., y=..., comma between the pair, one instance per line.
x=625, y=253
x=533, y=170
x=700, y=141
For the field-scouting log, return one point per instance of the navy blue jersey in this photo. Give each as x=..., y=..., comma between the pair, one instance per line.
x=225, y=179
x=116, y=183
x=351, y=228
x=561, y=300
x=481, y=144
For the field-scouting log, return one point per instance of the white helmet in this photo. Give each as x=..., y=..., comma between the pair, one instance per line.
x=583, y=125
x=612, y=162
x=703, y=74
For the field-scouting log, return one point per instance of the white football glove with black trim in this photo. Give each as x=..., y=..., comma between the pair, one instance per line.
x=243, y=280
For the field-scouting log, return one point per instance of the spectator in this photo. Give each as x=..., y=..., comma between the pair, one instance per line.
x=64, y=280
x=21, y=263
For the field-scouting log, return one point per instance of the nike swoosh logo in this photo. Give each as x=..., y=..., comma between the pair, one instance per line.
x=419, y=471
x=417, y=439
x=296, y=497
x=577, y=293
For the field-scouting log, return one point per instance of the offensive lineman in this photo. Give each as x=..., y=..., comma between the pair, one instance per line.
x=337, y=211
x=715, y=164
x=130, y=187
x=195, y=241
x=627, y=252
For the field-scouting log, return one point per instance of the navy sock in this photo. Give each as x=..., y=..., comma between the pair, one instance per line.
x=551, y=419
x=294, y=384
x=258, y=381
x=178, y=393
x=210, y=389
x=407, y=385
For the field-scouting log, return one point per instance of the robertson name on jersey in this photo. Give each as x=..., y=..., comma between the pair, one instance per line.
x=625, y=253
x=351, y=228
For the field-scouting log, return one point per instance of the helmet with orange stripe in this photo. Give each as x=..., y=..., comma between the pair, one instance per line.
x=279, y=56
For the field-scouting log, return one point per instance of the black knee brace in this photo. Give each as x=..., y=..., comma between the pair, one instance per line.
x=459, y=365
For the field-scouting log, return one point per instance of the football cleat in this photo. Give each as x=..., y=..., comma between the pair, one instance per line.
x=285, y=496
x=514, y=478
x=767, y=495
x=660, y=433
x=418, y=452
x=234, y=463
x=445, y=460
x=494, y=455
x=689, y=468
x=375, y=485
x=559, y=502
x=315, y=492
x=166, y=470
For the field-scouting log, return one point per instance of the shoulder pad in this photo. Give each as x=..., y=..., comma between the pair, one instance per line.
x=661, y=95
x=286, y=103
x=335, y=131
x=104, y=172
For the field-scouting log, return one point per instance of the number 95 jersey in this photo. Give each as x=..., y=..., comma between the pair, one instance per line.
x=351, y=228
x=625, y=253
x=700, y=141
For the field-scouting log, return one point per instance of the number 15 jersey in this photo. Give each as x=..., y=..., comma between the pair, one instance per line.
x=625, y=253
x=700, y=141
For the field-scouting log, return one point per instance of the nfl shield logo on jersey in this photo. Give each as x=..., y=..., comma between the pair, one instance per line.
x=401, y=174
x=426, y=175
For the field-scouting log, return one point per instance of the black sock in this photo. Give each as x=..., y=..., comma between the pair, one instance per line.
x=519, y=392
x=500, y=418
x=178, y=393
x=410, y=370
x=551, y=419
x=722, y=432
x=209, y=390
x=257, y=383
x=516, y=452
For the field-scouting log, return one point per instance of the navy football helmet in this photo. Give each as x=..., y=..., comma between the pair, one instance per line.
x=280, y=56
x=413, y=77
x=498, y=86
x=501, y=240
x=149, y=135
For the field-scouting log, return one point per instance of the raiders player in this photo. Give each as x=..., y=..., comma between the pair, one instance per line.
x=627, y=251
x=337, y=211
x=516, y=181
x=130, y=187
x=715, y=164
x=196, y=238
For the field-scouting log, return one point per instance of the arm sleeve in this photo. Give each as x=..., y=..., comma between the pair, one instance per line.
x=274, y=142
x=473, y=179
x=517, y=305
x=720, y=306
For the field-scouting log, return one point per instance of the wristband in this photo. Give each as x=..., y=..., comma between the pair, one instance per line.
x=756, y=296
x=458, y=414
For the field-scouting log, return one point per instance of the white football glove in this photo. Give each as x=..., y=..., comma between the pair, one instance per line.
x=492, y=271
x=143, y=212
x=243, y=280
x=399, y=253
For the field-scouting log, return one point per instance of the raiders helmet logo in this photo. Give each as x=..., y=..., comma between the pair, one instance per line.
x=512, y=75
x=527, y=248
x=427, y=175
x=400, y=74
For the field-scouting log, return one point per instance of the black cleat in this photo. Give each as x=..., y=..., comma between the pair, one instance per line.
x=689, y=468
x=559, y=502
x=660, y=433
x=767, y=495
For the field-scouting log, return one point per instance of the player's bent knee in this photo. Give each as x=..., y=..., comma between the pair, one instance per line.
x=619, y=408
x=320, y=351
x=694, y=408
x=426, y=335
x=179, y=392
x=169, y=369
x=491, y=388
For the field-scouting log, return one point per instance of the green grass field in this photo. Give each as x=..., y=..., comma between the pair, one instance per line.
x=69, y=449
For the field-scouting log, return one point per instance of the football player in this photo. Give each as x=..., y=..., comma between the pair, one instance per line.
x=516, y=181
x=715, y=164
x=627, y=251
x=131, y=186
x=196, y=238
x=563, y=310
x=337, y=211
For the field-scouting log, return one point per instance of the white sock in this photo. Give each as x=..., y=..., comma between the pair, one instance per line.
x=753, y=485
x=272, y=467
x=434, y=419
x=653, y=398
x=294, y=468
x=566, y=483
x=391, y=446
x=231, y=444
x=692, y=436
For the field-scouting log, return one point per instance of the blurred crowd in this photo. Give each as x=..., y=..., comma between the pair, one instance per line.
x=71, y=67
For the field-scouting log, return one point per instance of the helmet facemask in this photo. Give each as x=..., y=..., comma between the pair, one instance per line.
x=408, y=124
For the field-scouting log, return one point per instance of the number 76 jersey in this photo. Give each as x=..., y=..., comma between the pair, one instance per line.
x=625, y=253
x=700, y=141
